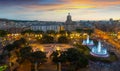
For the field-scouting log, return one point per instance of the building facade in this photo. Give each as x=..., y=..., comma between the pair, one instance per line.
x=69, y=25
x=45, y=27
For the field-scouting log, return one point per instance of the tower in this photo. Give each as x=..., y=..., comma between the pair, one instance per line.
x=69, y=26
x=69, y=20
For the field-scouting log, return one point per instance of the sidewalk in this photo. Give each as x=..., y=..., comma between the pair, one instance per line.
x=48, y=66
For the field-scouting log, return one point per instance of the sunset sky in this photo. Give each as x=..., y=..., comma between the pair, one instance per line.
x=57, y=10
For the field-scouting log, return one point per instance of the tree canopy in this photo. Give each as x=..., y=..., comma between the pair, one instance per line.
x=38, y=56
x=89, y=31
x=3, y=33
x=9, y=47
x=3, y=68
x=25, y=52
x=47, y=39
x=50, y=32
x=73, y=56
x=63, y=39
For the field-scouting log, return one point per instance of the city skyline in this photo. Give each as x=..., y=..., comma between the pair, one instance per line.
x=56, y=10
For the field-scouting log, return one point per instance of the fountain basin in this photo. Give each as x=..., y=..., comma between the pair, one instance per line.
x=99, y=55
x=99, y=51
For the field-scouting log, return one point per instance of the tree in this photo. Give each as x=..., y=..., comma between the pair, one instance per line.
x=39, y=32
x=23, y=41
x=63, y=57
x=9, y=47
x=55, y=57
x=73, y=56
x=25, y=52
x=50, y=32
x=89, y=31
x=79, y=30
x=82, y=62
x=3, y=68
x=62, y=32
x=76, y=59
x=27, y=31
x=3, y=33
x=58, y=57
x=82, y=48
x=47, y=39
x=38, y=57
x=19, y=43
x=63, y=39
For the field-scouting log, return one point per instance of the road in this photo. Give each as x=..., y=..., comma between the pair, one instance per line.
x=105, y=36
x=111, y=43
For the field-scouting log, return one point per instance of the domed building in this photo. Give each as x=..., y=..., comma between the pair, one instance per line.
x=69, y=25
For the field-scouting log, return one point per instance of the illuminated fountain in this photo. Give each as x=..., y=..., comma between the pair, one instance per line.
x=88, y=41
x=99, y=51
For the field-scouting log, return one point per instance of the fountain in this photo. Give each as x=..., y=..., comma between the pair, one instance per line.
x=99, y=51
x=88, y=41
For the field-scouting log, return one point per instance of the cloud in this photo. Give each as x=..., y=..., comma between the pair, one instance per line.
x=96, y=2
x=59, y=4
x=36, y=8
x=29, y=2
x=24, y=6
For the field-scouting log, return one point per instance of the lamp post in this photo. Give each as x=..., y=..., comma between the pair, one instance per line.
x=10, y=65
x=59, y=66
x=36, y=66
x=59, y=63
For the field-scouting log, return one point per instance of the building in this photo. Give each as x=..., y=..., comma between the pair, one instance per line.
x=118, y=35
x=69, y=25
x=47, y=26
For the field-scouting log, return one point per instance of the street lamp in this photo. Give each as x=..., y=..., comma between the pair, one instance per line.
x=36, y=66
x=42, y=49
x=58, y=48
x=59, y=63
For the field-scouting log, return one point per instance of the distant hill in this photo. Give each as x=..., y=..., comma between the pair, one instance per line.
x=3, y=19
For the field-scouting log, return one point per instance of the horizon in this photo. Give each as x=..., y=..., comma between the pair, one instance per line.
x=55, y=21
x=57, y=10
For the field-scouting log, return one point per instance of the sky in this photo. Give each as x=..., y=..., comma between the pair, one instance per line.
x=57, y=10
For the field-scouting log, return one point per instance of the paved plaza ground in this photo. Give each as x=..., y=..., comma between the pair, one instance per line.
x=49, y=48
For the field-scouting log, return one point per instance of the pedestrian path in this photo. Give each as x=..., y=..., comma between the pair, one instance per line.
x=25, y=66
x=48, y=66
